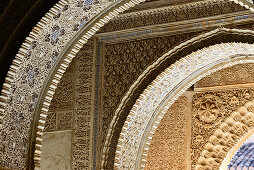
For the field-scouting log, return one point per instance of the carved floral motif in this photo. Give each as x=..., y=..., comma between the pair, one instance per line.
x=71, y=106
x=208, y=111
x=220, y=104
x=82, y=108
x=171, y=14
x=39, y=59
x=20, y=110
x=124, y=62
x=144, y=108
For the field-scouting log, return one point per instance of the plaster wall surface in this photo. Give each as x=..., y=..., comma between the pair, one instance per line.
x=57, y=153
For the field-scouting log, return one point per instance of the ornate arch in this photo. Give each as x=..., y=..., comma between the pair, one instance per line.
x=239, y=125
x=162, y=63
x=54, y=42
x=152, y=104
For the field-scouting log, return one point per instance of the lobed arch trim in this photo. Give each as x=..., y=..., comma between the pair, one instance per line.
x=153, y=103
x=141, y=78
x=63, y=60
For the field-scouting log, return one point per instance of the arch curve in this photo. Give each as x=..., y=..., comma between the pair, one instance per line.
x=234, y=153
x=63, y=51
x=149, y=109
x=229, y=134
x=220, y=35
x=42, y=46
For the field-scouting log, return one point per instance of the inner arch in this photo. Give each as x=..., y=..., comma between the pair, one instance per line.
x=167, y=87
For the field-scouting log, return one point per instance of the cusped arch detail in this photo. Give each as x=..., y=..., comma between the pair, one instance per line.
x=53, y=43
x=178, y=52
x=229, y=134
x=153, y=103
x=64, y=50
x=245, y=145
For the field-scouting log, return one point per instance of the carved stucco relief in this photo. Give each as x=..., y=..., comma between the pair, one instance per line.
x=82, y=124
x=31, y=66
x=71, y=106
x=175, y=49
x=136, y=124
x=170, y=14
x=114, y=73
x=28, y=58
x=174, y=39
x=209, y=110
x=168, y=148
x=227, y=135
x=124, y=62
x=61, y=108
x=239, y=74
x=64, y=96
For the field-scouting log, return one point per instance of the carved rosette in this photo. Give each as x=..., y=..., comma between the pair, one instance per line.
x=208, y=111
x=219, y=104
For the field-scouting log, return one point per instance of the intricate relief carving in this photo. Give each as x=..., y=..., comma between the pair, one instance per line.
x=112, y=150
x=217, y=106
x=124, y=62
x=75, y=115
x=208, y=109
x=24, y=105
x=238, y=74
x=64, y=121
x=59, y=120
x=50, y=124
x=225, y=137
x=64, y=95
x=171, y=14
x=60, y=116
x=168, y=146
x=19, y=111
x=150, y=100
x=83, y=101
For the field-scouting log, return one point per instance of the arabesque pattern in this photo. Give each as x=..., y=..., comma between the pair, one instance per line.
x=50, y=36
x=155, y=94
x=169, y=146
x=226, y=136
x=222, y=104
x=32, y=65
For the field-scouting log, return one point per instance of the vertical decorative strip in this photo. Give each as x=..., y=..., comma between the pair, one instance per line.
x=96, y=138
x=82, y=114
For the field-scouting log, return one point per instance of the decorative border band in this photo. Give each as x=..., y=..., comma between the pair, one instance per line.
x=70, y=51
x=145, y=115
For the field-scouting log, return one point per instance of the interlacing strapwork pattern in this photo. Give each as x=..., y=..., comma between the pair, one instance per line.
x=121, y=72
x=183, y=12
x=61, y=110
x=168, y=148
x=22, y=89
x=82, y=109
x=71, y=106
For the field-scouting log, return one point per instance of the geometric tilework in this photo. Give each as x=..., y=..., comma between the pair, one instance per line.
x=244, y=157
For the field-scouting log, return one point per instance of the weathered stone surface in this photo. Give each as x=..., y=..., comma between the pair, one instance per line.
x=56, y=153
